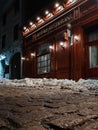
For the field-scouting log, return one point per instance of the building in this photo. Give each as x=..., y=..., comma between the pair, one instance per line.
x=63, y=42
x=12, y=16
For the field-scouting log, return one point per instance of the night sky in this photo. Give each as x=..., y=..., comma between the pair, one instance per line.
x=37, y=5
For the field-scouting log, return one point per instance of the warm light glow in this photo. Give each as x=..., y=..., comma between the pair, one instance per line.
x=38, y=18
x=62, y=43
x=50, y=47
x=57, y=5
x=46, y=12
x=24, y=28
x=23, y=58
x=32, y=54
x=76, y=38
x=31, y=23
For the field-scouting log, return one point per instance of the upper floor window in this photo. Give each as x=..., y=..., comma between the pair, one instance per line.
x=3, y=41
x=43, y=49
x=93, y=36
x=16, y=32
x=4, y=19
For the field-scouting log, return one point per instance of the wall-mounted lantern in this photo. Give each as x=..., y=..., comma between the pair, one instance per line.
x=51, y=47
x=76, y=38
x=32, y=55
x=61, y=43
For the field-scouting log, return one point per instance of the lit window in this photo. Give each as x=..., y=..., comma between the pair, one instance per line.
x=93, y=56
x=43, y=59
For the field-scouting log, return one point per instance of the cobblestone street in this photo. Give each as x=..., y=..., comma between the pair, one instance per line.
x=47, y=109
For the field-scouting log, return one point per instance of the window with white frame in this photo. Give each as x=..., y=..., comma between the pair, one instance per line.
x=93, y=56
x=43, y=59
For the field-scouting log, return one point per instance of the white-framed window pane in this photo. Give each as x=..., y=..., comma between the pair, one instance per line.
x=93, y=56
x=43, y=65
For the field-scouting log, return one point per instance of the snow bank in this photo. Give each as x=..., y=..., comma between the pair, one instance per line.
x=81, y=85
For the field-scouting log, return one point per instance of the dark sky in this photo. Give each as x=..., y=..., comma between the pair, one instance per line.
x=37, y=7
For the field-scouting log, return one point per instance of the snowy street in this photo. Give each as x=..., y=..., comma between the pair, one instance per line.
x=48, y=104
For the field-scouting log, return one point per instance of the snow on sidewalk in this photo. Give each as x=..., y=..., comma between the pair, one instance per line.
x=81, y=85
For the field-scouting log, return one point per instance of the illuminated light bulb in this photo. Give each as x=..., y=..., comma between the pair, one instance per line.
x=23, y=58
x=76, y=38
x=32, y=54
x=24, y=28
x=46, y=12
x=57, y=5
x=51, y=47
x=31, y=23
x=38, y=18
x=62, y=44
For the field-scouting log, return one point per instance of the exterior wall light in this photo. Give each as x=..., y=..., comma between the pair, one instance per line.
x=76, y=38
x=24, y=28
x=32, y=54
x=56, y=5
x=46, y=12
x=23, y=58
x=31, y=23
x=51, y=47
x=61, y=44
x=38, y=18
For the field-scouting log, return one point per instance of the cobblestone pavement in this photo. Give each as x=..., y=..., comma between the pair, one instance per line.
x=47, y=109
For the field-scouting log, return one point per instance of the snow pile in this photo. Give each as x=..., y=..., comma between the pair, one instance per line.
x=81, y=85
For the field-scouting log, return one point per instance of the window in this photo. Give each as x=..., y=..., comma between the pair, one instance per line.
x=93, y=56
x=43, y=49
x=4, y=19
x=43, y=63
x=16, y=32
x=93, y=36
x=43, y=59
x=3, y=41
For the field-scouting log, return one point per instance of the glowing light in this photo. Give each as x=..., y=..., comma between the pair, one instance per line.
x=57, y=5
x=31, y=23
x=50, y=47
x=38, y=18
x=32, y=54
x=24, y=28
x=23, y=58
x=46, y=12
x=62, y=43
x=76, y=38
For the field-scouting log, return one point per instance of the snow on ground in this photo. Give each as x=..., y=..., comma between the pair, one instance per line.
x=81, y=85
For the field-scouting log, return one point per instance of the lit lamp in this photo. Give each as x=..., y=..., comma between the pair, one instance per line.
x=76, y=37
x=51, y=47
x=39, y=21
x=23, y=58
x=61, y=44
x=58, y=8
x=32, y=54
x=48, y=15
